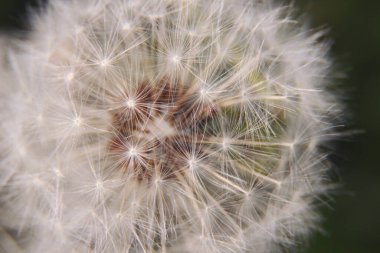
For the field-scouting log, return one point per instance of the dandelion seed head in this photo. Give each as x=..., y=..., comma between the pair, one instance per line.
x=163, y=126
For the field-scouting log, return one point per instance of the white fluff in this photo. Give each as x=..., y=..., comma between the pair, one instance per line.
x=90, y=163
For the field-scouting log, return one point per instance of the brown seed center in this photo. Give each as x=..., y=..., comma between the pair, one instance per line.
x=156, y=128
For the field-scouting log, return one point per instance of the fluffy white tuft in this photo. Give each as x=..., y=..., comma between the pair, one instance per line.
x=163, y=126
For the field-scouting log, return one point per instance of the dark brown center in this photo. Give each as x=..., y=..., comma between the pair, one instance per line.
x=157, y=127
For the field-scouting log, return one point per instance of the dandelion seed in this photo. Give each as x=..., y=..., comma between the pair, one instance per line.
x=175, y=59
x=69, y=77
x=127, y=26
x=104, y=63
x=225, y=144
x=78, y=121
x=192, y=163
x=58, y=172
x=131, y=103
x=132, y=152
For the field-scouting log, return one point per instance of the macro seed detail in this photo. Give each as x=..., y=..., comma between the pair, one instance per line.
x=163, y=126
x=156, y=120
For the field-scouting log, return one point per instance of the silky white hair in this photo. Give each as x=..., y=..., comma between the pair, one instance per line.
x=163, y=126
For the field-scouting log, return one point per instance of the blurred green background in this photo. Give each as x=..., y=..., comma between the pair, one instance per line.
x=352, y=223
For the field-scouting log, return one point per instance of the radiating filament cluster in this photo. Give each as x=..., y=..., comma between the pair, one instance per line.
x=163, y=126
